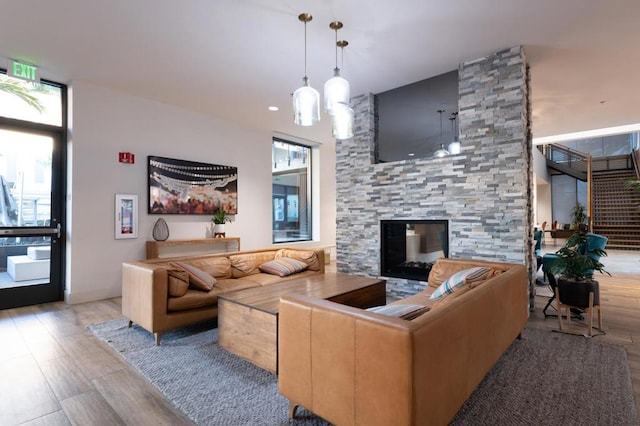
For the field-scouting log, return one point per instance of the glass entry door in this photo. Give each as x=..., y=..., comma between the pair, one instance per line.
x=31, y=206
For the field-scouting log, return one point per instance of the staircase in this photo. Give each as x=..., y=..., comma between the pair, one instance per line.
x=616, y=209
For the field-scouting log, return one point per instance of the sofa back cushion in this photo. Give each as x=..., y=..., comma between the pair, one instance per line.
x=444, y=268
x=178, y=282
x=198, y=279
x=217, y=267
x=248, y=263
x=307, y=256
x=457, y=280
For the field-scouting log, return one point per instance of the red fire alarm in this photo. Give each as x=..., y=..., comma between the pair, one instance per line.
x=126, y=157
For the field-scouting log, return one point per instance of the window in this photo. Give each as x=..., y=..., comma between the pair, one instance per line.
x=30, y=101
x=291, y=191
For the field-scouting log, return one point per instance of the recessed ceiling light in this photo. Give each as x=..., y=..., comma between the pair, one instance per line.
x=411, y=154
x=273, y=108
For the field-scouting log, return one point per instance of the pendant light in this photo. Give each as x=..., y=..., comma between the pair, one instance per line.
x=454, y=147
x=441, y=152
x=342, y=114
x=336, y=89
x=306, y=99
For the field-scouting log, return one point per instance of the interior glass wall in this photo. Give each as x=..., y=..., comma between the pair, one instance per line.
x=604, y=146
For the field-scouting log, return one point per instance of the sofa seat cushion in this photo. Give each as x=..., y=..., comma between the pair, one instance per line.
x=421, y=298
x=248, y=263
x=299, y=275
x=400, y=310
x=193, y=299
x=262, y=278
x=232, y=284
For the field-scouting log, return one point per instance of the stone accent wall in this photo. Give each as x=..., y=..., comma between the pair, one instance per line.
x=484, y=191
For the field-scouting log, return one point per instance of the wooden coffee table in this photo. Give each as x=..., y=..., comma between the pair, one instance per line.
x=248, y=319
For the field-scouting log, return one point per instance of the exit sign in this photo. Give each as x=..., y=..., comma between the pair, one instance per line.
x=23, y=71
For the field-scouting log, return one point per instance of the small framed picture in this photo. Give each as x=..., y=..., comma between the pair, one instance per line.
x=126, y=216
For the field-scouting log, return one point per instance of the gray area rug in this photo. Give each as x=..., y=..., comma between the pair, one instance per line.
x=543, y=379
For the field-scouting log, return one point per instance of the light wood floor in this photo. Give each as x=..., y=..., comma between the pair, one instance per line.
x=620, y=304
x=54, y=372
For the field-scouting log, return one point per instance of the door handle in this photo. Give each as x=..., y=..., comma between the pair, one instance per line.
x=31, y=232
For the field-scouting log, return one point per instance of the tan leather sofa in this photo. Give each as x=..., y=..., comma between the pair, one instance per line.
x=351, y=366
x=145, y=285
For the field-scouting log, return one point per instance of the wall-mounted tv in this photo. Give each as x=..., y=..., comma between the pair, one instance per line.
x=189, y=187
x=407, y=118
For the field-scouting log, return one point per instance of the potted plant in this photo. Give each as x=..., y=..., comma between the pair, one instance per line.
x=634, y=184
x=575, y=264
x=219, y=219
x=578, y=216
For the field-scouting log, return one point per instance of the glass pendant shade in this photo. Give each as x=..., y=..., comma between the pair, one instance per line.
x=336, y=90
x=442, y=152
x=306, y=105
x=454, y=147
x=342, y=121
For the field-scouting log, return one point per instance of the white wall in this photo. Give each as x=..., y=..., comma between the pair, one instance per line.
x=541, y=190
x=106, y=122
x=543, y=204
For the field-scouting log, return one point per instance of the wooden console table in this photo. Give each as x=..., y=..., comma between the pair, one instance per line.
x=562, y=233
x=154, y=248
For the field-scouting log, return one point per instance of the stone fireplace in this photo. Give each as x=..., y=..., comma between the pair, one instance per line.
x=484, y=193
x=408, y=248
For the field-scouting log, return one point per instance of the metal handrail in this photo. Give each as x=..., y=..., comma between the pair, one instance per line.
x=635, y=157
x=548, y=151
x=589, y=193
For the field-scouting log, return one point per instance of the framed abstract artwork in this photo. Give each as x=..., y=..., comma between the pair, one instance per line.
x=188, y=187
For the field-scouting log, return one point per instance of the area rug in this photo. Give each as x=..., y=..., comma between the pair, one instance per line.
x=544, y=378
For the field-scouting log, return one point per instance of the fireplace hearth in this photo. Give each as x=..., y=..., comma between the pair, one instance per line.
x=408, y=248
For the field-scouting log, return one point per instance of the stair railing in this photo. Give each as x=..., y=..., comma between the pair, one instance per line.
x=589, y=193
x=635, y=157
x=562, y=154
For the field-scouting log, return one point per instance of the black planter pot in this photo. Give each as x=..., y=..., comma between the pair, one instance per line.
x=576, y=293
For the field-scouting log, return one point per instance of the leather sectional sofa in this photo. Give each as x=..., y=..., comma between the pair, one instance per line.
x=351, y=366
x=153, y=298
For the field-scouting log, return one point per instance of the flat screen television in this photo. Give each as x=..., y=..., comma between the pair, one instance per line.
x=408, y=248
x=407, y=118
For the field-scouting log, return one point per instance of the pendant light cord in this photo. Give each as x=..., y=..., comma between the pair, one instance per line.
x=336, y=48
x=305, y=52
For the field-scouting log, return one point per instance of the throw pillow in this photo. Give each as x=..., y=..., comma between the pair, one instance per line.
x=405, y=312
x=198, y=279
x=307, y=256
x=458, y=280
x=283, y=266
x=178, y=282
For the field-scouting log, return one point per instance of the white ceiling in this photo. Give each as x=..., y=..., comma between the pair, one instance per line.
x=234, y=58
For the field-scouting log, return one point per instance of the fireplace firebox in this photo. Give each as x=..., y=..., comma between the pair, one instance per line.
x=408, y=248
